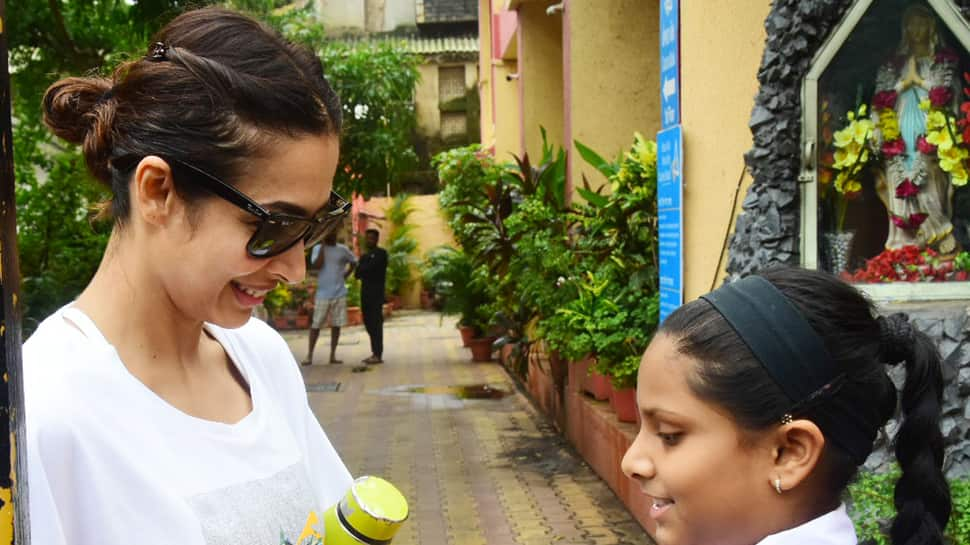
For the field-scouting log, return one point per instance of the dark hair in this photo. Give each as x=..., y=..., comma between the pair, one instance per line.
x=728, y=374
x=218, y=93
x=372, y=231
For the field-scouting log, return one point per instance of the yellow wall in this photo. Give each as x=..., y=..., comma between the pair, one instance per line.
x=430, y=230
x=508, y=133
x=485, y=73
x=426, y=100
x=614, y=77
x=721, y=46
x=541, y=76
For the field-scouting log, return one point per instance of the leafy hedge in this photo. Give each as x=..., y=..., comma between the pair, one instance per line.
x=870, y=503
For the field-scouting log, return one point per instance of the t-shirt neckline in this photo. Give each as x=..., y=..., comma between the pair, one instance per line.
x=90, y=330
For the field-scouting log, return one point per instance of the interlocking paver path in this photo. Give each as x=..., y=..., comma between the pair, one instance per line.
x=478, y=467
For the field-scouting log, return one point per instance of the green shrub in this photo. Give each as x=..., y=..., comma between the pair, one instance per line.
x=870, y=503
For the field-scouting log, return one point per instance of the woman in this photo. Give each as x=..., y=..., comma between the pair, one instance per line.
x=158, y=411
x=760, y=400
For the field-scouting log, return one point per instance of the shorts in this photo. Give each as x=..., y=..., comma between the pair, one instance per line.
x=335, y=309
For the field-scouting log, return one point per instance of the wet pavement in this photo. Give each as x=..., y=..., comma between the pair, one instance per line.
x=477, y=463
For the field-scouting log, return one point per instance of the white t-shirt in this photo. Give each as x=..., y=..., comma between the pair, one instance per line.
x=111, y=463
x=832, y=528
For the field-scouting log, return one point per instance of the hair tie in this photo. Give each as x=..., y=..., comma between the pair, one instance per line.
x=895, y=338
x=157, y=52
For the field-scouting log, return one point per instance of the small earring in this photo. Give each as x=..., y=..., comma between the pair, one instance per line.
x=786, y=419
x=778, y=485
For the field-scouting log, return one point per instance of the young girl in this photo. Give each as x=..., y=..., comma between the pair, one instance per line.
x=158, y=411
x=760, y=400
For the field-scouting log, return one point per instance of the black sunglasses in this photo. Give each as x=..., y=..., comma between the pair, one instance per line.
x=277, y=232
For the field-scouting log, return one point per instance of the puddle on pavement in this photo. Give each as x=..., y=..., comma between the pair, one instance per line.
x=468, y=391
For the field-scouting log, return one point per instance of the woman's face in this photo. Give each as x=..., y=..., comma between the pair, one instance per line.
x=918, y=29
x=707, y=481
x=208, y=274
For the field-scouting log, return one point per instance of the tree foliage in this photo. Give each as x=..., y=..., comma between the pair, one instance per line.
x=376, y=84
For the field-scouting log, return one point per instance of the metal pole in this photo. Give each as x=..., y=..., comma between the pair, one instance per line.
x=13, y=470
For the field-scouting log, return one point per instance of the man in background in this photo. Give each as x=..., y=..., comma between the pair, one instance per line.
x=372, y=272
x=330, y=303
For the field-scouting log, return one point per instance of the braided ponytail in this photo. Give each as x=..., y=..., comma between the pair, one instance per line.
x=922, y=497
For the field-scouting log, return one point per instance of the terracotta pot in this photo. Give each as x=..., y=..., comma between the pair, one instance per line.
x=354, y=316
x=387, y=310
x=279, y=322
x=426, y=301
x=302, y=321
x=481, y=348
x=599, y=386
x=467, y=334
x=624, y=403
x=394, y=301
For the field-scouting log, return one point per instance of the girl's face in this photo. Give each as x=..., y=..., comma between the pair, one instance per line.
x=709, y=483
x=205, y=269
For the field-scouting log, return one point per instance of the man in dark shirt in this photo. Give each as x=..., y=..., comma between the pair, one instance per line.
x=372, y=272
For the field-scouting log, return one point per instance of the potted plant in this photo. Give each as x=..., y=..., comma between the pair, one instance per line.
x=354, y=314
x=401, y=246
x=275, y=302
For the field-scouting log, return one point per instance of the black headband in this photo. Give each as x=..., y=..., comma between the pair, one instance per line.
x=792, y=353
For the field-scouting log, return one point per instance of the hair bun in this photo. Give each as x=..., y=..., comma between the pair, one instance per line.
x=896, y=338
x=68, y=103
x=76, y=110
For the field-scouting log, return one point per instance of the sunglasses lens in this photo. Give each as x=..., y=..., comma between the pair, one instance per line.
x=275, y=236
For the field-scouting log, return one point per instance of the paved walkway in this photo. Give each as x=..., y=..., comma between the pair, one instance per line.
x=476, y=462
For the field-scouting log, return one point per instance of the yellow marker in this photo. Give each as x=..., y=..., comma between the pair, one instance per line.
x=370, y=513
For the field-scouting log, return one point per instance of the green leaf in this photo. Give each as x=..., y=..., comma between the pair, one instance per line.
x=595, y=160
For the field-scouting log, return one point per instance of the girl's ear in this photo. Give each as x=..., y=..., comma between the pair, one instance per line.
x=797, y=449
x=153, y=190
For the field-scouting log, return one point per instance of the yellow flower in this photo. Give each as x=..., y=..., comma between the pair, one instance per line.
x=925, y=105
x=843, y=137
x=845, y=186
x=951, y=159
x=889, y=124
x=935, y=120
x=861, y=129
x=940, y=138
x=960, y=179
x=847, y=156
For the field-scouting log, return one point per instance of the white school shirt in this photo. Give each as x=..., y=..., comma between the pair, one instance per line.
x=832, y=528
x=111, y=463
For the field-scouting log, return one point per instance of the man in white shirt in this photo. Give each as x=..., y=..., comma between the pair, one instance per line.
x=331, y=298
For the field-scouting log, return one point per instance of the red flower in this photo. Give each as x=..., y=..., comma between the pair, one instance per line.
x=912, y=222
x=923, y=146
x=961, y=276
x=946, y=55
x=940, y=96
x=892, y=148
x=966, y=133
x=884, y=99
x=906, y=189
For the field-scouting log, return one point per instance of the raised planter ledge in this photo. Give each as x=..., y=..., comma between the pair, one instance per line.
x=590, y=426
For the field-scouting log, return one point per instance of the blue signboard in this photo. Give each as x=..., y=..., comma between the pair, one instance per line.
x=670, y=225
x=669, y=63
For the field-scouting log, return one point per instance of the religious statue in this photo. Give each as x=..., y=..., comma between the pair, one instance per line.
x=912, y=90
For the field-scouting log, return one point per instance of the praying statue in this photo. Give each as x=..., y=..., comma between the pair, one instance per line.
x=913, y=113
